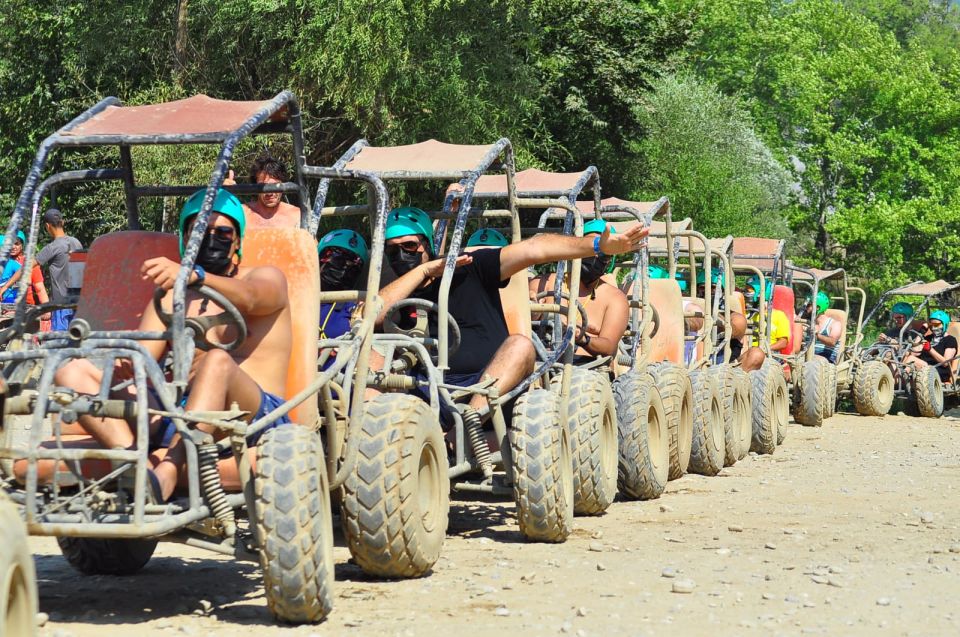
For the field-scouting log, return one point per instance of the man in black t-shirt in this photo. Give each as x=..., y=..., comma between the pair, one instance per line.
x=486, y=347
x=937, y=346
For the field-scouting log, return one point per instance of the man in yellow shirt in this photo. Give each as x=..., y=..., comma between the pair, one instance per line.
x=779, y=324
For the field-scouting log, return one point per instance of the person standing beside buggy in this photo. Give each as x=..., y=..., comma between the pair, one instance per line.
x=55, y=256
x=253, y=376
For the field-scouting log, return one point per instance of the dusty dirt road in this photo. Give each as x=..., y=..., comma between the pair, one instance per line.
x=852, y=529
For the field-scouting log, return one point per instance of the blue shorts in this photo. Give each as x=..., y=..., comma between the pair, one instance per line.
x=60, y=319
x=268, y=402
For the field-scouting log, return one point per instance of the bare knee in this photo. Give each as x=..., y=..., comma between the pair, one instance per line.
x=78, y=374
x=752, y=359
x=520, y=351
x=738, y=325
x=216, y=363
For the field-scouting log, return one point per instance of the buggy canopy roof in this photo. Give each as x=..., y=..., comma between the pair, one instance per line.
x=533, y=182
x=818, y=274
x=645, y=208
x=919, y=288
x=425, y=160
x=195, y=119
x=763, y=254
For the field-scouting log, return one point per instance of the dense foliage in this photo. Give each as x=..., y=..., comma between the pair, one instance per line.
x=833, y=123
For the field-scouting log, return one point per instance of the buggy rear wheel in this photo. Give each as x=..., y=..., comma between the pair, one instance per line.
x=542, y=467
x=765, y=417
x=592, y=423
x=97, y=556
x=644, y=437
x=294, y=524
x=396, y=501
x=18, y=597
x=707, y=450
x=873, y=389
x=928, y=392
x=736, y=410
x=811, y=409
x=676, y=393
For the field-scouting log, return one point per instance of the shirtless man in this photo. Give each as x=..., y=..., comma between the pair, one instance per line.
x=606, y=306
x=253, y=376
x=486, y=347
x=268, y=210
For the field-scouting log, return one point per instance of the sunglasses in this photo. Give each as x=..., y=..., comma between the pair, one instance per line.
x=936, y=324
x=340, y=255
x=406, y=246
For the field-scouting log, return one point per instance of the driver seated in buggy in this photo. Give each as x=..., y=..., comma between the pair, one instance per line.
x=487, y=349
x=606, y=306
x=253, y=376
x=899, y=315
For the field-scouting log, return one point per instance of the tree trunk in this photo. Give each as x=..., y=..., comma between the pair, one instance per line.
x=181, y=42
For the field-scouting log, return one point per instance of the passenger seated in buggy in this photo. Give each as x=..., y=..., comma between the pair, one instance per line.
x=253, y=376
x=937, y=347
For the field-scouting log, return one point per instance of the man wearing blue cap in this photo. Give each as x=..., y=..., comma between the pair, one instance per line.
x=486, y=347
x=253, y=376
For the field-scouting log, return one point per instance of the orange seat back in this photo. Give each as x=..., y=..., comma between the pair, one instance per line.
x=667, y=343
x=783, y=300
x=294, y=252
x=114, y=295
x=737, y=303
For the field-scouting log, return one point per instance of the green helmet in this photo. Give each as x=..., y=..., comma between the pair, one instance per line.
x=487, y=237
x=346, y=239
x=409, y=220
x=902, y=308
x=224, y=203
x=597, y=226
x=823, y=301
x=941, y=316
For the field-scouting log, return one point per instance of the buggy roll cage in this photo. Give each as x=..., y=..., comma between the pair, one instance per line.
x=810, y=278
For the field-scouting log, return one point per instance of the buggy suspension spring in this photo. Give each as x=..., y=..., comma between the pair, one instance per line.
x=478, y=441
x=213, y=489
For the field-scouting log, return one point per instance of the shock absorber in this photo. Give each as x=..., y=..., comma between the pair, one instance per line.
x=212, y=488
x=478, y=441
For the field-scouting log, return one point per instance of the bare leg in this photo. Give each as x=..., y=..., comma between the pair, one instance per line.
x=752, y=359
x=738, y=326
x=218, y=383
x=84, y=377
x=512, y=362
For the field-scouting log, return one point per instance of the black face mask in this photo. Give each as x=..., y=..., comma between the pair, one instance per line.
x=593, y=268
x=402, y=261
x=338, y=273
x=215, y=254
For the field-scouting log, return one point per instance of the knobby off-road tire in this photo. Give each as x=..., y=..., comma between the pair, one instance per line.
x=644, y=438
x=94, y=556
x=396, y=501
x=542, y=466
x=781, y=403
x=592, y=423
x=830, y=403
x=764, y=408
x=745, y=389
x=18, y=597
x=736, y=414
x=294, y=524
x=873, y=389
x=811, y=409
x=928, y=392
x=707, y=449
x=676, y=393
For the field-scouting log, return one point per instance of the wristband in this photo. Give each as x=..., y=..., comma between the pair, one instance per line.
x=596, y=246
x=201, y=274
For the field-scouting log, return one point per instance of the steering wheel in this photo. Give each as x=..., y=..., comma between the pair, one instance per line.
x=200, y=325
x=421, y=327
x=582, y=311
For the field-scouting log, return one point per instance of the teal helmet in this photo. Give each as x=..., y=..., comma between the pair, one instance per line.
x=681, y=280
x=346, y=239
x=22, y=237
x=409, y=220
x=597, y=226
x=903, y=308
x=715, y=277
x=941, y=316
x=754, y=282
x=487, y=237
x=656, y=272
x=225, y=203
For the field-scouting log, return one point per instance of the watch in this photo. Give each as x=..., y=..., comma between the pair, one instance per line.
x=201, y=274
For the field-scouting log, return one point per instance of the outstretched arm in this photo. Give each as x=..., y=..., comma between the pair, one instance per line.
x=261, y=292
x=547, y=248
